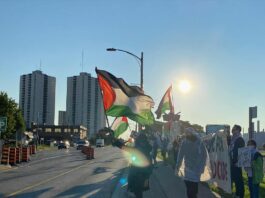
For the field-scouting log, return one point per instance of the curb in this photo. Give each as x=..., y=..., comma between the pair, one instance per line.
x=5, y=167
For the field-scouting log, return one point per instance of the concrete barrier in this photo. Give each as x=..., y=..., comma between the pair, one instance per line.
x=5, y=155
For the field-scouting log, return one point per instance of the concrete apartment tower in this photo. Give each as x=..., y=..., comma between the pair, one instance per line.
x=37, y=98
x=84, y=103
x=62, y=120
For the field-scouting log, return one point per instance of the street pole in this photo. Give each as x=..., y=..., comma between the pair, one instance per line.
x=142, y=71
x=141, y=59
x=250, y=124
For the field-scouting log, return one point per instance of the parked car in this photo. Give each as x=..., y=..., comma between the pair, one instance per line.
x=64, y=145
x=99, y=142
x=82, y=143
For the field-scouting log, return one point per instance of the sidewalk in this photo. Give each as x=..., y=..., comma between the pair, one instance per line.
x=163, y=184
x=4, y=168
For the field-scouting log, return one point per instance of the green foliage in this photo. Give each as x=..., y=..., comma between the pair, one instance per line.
x=186, y=124
x=9, y=108
x=245, y=178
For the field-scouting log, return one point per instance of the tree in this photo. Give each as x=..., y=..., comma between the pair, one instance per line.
x=186, y=124
x=198, y=128
x=15, y=122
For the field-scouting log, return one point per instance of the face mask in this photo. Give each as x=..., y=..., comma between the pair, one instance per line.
x=251, y=147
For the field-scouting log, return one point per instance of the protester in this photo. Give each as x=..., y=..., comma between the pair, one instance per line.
x=176, y=146
x=191, y=161
x=154, y=149
x=236, y=172
x=173, y=152
x=164, y=148
x=255, y=172
x=138, y=178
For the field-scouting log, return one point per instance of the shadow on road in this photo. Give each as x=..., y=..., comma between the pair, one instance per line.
x=96, y=190
x=100, y=170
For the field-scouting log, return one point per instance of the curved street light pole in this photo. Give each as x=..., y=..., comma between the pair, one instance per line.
x=141, y=59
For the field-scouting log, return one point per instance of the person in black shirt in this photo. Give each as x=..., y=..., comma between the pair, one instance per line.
x=236, y=172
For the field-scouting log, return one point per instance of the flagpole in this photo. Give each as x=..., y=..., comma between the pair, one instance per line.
x=172, y=101
x=103, y=102
x=114, y=121
x=172, y=111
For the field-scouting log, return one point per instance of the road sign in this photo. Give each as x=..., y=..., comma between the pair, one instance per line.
x=3, y=123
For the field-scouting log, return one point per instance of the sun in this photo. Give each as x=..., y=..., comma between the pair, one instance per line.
x=184, y=86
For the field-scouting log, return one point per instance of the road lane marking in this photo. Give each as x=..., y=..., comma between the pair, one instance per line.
x=46, y=181
x=56, y=156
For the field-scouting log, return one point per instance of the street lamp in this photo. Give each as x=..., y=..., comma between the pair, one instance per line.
x=141, y=59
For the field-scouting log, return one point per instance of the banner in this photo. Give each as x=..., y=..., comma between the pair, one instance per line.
x=217, y=147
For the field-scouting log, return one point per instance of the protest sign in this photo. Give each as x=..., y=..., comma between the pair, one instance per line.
x=244, y=157
x=217, y=147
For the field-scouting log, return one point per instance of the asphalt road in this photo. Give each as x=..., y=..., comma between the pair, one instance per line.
x=65, y=173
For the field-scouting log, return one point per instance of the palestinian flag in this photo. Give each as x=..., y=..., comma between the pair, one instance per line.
x=120, y=99
x=119, y=126
x=165, y=104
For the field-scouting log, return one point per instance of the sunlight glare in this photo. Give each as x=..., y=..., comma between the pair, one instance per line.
x=184, y=86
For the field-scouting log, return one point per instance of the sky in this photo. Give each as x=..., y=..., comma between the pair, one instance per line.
x=218, y=46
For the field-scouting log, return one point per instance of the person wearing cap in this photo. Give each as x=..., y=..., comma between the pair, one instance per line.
x=191, y=161
x=237, y=142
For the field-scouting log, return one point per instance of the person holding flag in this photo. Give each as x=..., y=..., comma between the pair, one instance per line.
x=165, y=104
x=122, y=100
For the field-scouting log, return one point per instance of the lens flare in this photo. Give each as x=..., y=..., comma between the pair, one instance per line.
x=135, y=157
x=123, y=181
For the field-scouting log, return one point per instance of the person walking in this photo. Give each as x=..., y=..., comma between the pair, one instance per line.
x=255, y=172
x=236, y=172
x=154, y=149
x=191, y=161
x=138, y=177
x=164, y=145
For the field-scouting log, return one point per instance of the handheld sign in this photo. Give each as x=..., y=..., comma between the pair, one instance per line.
x=244, y=157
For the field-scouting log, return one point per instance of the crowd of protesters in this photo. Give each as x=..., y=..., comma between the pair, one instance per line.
x=190, y=147
x=189, y=158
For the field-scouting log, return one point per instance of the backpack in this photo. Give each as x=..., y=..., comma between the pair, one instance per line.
x=257, y=167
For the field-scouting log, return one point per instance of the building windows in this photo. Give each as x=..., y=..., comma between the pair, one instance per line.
x=67, y=130
x=75, y=130
x=57, y=130
x=48, y=130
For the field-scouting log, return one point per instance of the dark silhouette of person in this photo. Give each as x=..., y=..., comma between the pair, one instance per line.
x=138, y=178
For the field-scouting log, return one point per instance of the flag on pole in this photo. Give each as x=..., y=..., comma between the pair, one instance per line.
x=165, y=104
x=119, y=126
x=120, y=99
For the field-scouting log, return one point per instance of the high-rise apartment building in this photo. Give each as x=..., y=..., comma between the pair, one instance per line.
x=84, y=103
x=37, y=98
x=62, y=118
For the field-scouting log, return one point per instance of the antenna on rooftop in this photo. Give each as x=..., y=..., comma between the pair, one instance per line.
x=82, y=64
x=40, y=64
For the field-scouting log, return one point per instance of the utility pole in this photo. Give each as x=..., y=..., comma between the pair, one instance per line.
x=252, y=114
